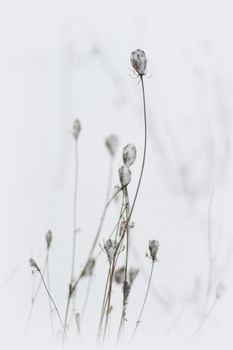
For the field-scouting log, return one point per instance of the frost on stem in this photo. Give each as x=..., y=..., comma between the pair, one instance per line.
x=139, y=61
x=153, y=249
x=76, y=129
x=129, y=155
x=110, y=247
x=49, y=238
x=112, y=144
x=124, y=176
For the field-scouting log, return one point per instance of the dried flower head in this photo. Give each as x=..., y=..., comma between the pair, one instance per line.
x=133, y=272
x=220, y=290
x=139, y=61
x=76, y=129
x=34, y=265
x=112, y=144
x=88, y=271
x=153, y=249
x=48, y=238
x=129, y=155
x=119, y=275
x=124, y=176
x=110, y=247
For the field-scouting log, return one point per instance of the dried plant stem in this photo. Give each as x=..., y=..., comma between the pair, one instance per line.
x=35, y=295
x=74, y=236
x=51, y=298
x=125, y=300
x=144, y=302
x=50, y=303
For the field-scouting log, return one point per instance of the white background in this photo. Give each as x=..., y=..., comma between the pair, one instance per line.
x=62, y=60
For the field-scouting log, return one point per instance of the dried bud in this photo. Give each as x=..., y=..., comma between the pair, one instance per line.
x=33, y=264
x=126, y=290
x=133, y=272
x=110, y=247
x=220, y=290
x=124, y=175
x=112, y=144
x=139, y=61
x=129, y=155
x=76, y=129
x=153, y=248
x=88, y=271
x=119, y=275
x=48, y=238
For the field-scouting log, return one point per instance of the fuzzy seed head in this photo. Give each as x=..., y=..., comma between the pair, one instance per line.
x=124, y=176
x=153, y=249
x=139, y=61
x=112, y=144
x=129, y=155
x=76, y=129
x=48, y=238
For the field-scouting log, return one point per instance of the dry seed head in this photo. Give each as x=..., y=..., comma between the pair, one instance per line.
x=119, y=275
x=89, y=268
x=133, y=272
x=153, y=249
x=110, y=247
x=76, y=129
x=124, y=176
x=129, y=154
x=220, y=290
x=48, y=238
x=139, y=61
x=112, y=144
x=33, y=264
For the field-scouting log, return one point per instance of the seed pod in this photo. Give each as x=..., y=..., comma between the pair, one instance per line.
x=110, y=247
x=48, y=238
x=133, y=272
x=129, y=155
x=119, y=275
x=76, y=129
x=33, y=264
x=153, y=248
x=139, y=61
x=112, y=144
x=124, y=175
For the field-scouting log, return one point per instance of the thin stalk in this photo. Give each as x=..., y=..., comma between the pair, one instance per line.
x=144, y=302
x=50, y=304
x=74, y=235
x=124, y=302
x=51, y=298
x=103, y=306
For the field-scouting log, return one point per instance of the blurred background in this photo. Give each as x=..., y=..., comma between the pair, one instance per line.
x=62, y=60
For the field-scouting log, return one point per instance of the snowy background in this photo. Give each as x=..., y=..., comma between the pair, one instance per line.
x=62, y=60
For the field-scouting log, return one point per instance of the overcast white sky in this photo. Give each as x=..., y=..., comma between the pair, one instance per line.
x=61, y=60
